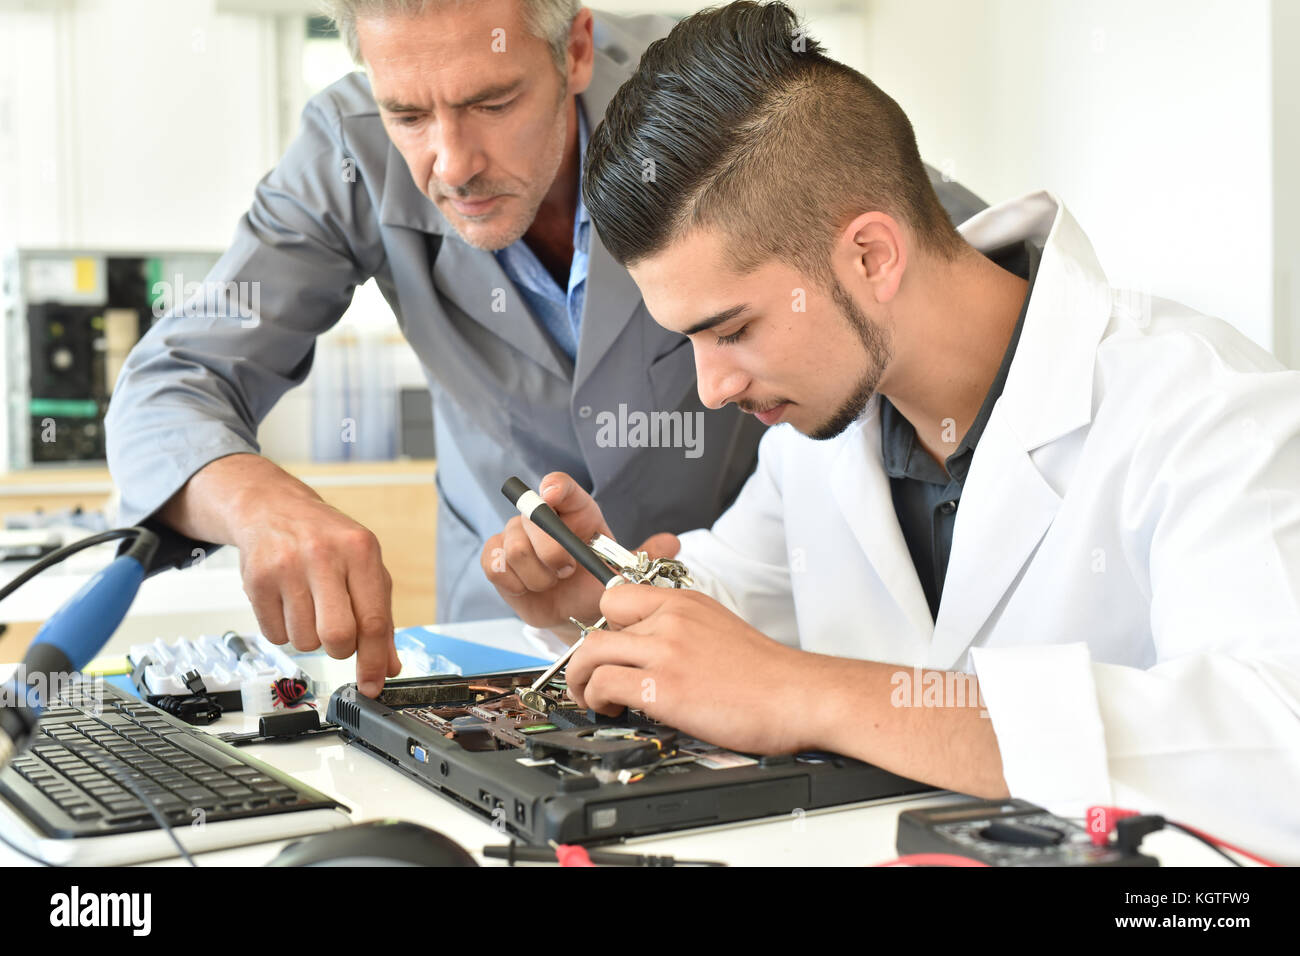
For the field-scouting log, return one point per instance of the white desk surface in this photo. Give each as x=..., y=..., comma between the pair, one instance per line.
x=852, y=835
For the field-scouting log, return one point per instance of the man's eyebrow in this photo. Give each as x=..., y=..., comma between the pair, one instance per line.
x=490, y=93
x=397, y=106
x=716, y=319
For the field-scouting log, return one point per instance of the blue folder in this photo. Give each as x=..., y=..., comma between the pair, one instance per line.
x=471, y=658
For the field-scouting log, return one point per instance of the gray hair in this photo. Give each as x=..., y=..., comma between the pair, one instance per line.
x=547, y=20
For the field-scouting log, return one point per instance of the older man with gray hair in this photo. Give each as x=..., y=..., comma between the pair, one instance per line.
x=449, y=170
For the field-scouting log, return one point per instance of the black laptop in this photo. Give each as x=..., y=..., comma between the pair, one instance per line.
x=543, y=770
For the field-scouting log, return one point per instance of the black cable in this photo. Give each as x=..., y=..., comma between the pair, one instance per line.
x=196, y=709
x=289, y=691
x=1210, y=843
x=54, y=557
x=126, y=781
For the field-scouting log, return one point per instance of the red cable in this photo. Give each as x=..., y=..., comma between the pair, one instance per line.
x=1226, y=845
x=1110, y=815
x=570, y=855
x=932, y=859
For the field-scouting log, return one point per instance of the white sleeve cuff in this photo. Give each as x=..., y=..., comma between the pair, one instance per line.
x=1043, y=704
x=542, y=642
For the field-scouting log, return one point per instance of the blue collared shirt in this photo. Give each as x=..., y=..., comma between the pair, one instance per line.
x=559, y=310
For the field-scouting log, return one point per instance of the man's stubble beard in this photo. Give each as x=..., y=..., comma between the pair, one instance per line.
x=876, y=342
x=559, y=130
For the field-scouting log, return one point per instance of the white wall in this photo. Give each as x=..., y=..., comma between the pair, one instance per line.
x=1170, y=128
x=1286, y=182
x=1152, y=120
x=134, y=123
x=32, y=207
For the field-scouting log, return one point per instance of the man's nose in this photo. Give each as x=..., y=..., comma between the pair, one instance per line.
x=718, y=381
x=458, y=158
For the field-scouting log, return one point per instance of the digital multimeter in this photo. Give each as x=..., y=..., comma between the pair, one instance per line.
x=1007, y=833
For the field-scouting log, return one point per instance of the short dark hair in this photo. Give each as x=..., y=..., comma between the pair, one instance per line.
x=738, y=120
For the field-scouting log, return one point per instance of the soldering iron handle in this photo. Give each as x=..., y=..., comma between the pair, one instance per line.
x=532, y=506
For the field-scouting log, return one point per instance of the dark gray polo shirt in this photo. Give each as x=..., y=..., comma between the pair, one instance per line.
x=926, y=494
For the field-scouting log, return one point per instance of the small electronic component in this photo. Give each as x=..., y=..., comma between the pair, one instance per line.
x=486, y=713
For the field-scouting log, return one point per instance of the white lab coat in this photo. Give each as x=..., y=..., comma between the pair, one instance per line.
x=1125, y=568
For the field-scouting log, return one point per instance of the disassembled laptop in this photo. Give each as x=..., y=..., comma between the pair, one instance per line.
x=498, y=712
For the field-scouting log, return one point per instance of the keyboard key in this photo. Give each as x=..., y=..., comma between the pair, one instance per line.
x=234, y=791
x=130, y=818
x=208, y=754
x=271, y=788
x=196, y=795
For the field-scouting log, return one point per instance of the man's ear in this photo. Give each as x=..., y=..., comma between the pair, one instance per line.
x=581, y=52
x=873, y=248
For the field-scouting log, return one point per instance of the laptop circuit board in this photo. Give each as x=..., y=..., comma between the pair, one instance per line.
x=550, y=731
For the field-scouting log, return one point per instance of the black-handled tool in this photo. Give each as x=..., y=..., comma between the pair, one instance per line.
x=533, y=507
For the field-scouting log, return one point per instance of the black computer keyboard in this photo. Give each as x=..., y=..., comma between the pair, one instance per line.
x=72, y=780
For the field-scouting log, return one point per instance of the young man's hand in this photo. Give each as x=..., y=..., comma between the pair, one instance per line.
x=539, y=579
x=687, y=661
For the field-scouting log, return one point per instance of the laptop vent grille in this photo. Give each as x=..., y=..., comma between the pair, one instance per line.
x=349, y=713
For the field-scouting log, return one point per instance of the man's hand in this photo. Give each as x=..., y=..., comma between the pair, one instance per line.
x=690, y=663
x=314, y=576
x=539, y=579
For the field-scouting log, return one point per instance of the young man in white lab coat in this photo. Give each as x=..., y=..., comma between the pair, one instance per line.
x=988, y=463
